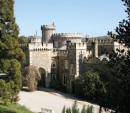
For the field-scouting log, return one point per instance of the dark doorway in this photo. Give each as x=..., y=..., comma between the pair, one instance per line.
x=73, y=86
x=42, y=81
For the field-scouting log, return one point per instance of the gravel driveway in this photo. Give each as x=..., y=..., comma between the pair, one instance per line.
x=51, y=100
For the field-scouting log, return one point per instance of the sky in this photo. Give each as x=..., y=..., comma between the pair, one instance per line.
x=90, y=17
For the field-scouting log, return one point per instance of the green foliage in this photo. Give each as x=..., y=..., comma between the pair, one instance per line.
x=75, y=109
x=13, y=108
x=55, y=84
x=120, y=83
x=7, y=93
x=68, y=110
x=23, y=40
x=97, y=66
x=89, y=109
x=10, y=53
x=4, y=65
x=9, y=46
x=83, y=109
x=90, y=86
x=123, y=30
x=63, y=110
x=121, y=67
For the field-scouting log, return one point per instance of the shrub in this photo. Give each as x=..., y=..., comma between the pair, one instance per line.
x=55, y=84
x=32, y=76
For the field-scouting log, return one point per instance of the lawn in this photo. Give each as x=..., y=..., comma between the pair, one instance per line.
x=13, y=108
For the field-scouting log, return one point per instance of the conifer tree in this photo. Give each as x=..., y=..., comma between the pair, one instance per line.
x=10, y=53
x=121, y=66
x=123, y=30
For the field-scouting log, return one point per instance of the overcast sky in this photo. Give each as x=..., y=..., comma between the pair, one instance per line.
x=91, y=17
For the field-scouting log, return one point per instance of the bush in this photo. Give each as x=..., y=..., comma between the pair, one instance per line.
x=32, y=76
x=90, y=86
x=55, y=84
x=7, y=93
x=11, y=84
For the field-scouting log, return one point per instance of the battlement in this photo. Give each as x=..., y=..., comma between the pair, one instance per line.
x=78, y=35
x=41, y=47
x=48, y=27
x=101, y=41
x=35, y=40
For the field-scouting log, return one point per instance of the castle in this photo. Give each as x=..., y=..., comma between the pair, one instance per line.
x=58, y=55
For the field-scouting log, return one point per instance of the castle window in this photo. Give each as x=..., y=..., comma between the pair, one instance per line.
x=66, y=64
x=65, y=79
x=72, y=71
x=53, y=76
x=54, y=64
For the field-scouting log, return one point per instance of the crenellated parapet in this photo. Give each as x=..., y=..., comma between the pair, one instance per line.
x=48, y=27
x=65, y=35
x=41, y=47
x=35, y=40
x=47, y=32
x=100, y=41
x=105, y=41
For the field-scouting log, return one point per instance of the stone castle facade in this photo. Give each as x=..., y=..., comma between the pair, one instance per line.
x=58, y=55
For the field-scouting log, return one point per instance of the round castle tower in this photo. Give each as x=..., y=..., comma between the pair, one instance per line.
x=47, y=32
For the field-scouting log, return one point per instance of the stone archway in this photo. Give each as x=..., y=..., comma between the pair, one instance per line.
x=42, y=81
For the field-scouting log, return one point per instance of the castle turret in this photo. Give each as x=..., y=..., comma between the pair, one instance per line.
x=47, y=32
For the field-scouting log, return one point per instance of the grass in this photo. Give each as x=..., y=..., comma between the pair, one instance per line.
x=13, y=108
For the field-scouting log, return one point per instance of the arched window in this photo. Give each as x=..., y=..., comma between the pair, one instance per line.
x=53, y=65
x=53, y=76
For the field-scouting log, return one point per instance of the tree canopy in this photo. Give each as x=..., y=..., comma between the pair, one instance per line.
x=120, y=64
x=11, y=55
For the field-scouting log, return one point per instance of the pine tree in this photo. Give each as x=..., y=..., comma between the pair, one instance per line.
x=10, y=53
x=64, y=110
x=123, y=30
x=75, y=108
x=83, y=109
x=121, y=66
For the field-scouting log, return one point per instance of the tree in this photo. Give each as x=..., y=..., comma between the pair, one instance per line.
x=121, y=66
x=123, y=30
x=10, y=54
x=63, y=110
x=32, y=76
x=91, y=87
x=23, y=40
x=89, y=109
x=83, y=109
x=75, y=109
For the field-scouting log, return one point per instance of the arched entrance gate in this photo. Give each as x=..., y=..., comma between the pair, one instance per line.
x=45, y=78
x=42, y=81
